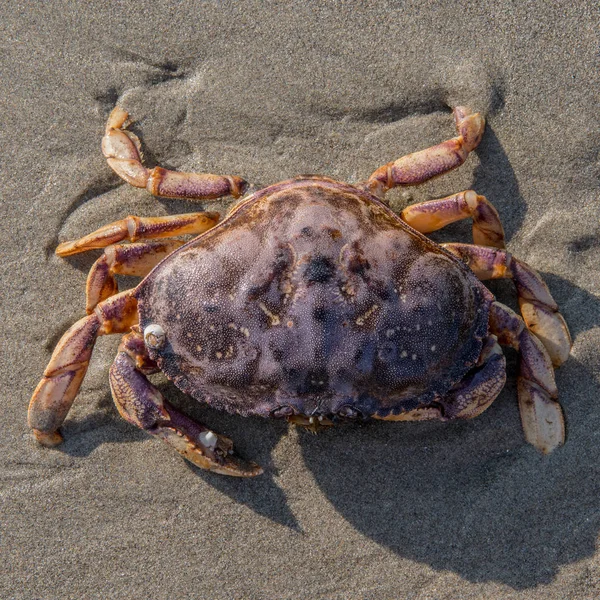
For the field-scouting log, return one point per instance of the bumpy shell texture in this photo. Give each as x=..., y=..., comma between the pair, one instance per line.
x=314, y=298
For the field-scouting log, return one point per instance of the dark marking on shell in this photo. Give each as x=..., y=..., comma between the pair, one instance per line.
x=320, y=269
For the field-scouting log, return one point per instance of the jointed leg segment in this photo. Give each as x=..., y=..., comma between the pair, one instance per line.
x=55, y=393
x=541, y=414
x=435, y=214
x=122, y=150
x=141, y=228
x=538, y=308
x=418, y=167
x=130, y=259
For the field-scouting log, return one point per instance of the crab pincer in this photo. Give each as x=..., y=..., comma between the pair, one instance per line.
x=141, y=404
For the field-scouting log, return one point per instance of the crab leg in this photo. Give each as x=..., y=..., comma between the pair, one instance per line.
x=418, y=167
x=55, y=393
x=141, y=404
x=541, y=414
x=131, y=259
x=435, y=214
x=141, y=228
x=122, y=150
x=538, y=308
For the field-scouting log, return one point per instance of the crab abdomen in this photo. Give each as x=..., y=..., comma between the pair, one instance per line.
x=310, y=298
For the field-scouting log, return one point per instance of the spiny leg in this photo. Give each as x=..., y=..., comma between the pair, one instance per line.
x=141, y=404
x=541, y=414
x=55, y=393
x=136, y=259
x=418, y=167
x=538, y=308
x=122, y=150
x=141, y=228
x=435, y=214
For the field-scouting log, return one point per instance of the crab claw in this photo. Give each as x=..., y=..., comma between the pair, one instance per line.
x=203, y=447
x=141, y=404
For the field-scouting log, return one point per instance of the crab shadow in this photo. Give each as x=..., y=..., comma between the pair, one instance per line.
x=256, y=438
x=495, y=178
x=473, y=497
x=253, y=437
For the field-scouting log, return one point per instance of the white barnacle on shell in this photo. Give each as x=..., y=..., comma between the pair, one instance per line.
x=154, y=336
x=208, y=439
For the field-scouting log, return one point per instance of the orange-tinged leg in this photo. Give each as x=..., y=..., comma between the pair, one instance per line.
x=55, y=393
x=418, y=167
x=141, y=404
x=122, y=151
x=538, y=308
x=541, y=414
x=435, y=214
x=141, y=228
x=136, y=259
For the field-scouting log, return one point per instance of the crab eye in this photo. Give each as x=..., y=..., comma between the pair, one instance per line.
x=154, y=336
x=347, y=412
x=282, y=412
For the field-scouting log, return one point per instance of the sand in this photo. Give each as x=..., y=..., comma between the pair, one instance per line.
x=268, y=91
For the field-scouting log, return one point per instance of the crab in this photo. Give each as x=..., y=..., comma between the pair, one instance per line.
x=312, y=301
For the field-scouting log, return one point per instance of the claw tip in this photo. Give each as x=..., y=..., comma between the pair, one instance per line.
x=48, y=439
x=65, y=249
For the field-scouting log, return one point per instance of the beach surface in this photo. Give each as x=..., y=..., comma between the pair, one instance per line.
x=268, y=91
